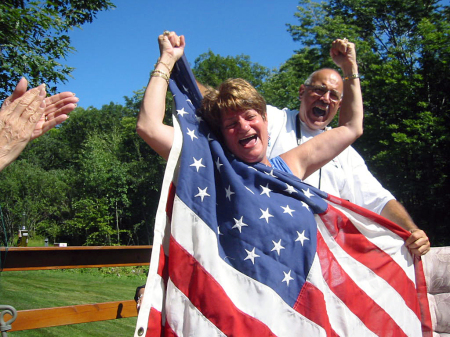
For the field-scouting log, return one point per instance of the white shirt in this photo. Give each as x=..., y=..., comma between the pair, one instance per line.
x=346, y=176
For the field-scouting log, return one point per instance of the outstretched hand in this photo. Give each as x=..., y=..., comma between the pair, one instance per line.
x=18, y=118
x=343, y=54
x=57, y=108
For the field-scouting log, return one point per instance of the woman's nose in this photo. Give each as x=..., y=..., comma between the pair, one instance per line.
x=243, y=124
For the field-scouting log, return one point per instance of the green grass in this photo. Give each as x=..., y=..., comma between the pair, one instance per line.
x=54, y=288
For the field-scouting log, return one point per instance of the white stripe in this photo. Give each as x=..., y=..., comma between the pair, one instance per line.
x=154, y=289
x=373, y=285
x=384, y=239
x=250, y=296
x=342, y=320
x=180, y=310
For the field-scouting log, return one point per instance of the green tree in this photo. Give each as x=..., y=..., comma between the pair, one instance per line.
x=30, y=196
x=212, y=69
x=33, y=38
x=403, y=56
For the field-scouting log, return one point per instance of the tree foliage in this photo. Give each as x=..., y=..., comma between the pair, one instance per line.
x=34, y=39
x=212, y=69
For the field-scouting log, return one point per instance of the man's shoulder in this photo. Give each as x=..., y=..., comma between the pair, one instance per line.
x=274, y=110
x=283, y=116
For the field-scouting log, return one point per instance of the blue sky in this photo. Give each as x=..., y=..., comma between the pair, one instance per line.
x=116, y=52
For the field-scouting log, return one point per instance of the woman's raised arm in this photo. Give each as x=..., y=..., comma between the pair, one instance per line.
x=150, y=124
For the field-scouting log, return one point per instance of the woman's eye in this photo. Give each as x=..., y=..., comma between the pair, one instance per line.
x=230, y=125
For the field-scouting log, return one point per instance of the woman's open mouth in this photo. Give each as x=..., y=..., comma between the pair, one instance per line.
x=251, y=140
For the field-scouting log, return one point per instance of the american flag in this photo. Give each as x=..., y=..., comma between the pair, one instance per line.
x=247, y=250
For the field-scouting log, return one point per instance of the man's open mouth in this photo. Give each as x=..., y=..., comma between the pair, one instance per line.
x=319, y=112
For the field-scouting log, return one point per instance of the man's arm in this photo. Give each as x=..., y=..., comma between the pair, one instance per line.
x=307, y=158
x=418, y=242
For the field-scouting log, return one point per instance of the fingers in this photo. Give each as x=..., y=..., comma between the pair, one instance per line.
x=30, y=106
x=418, y=242
x=20, y=89
x=49, y=124
x=342, y=46
x=173, y=38
x=56, y=111
x=62, y=103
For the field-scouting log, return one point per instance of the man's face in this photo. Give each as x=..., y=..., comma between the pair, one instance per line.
x=320, y=100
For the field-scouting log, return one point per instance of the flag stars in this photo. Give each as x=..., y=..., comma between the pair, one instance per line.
x=202, y=193
x=218, y=164
x=197, y=163
x=288, y=210
x=182, y=112
x=239, y=224
x=308, y=193
x=266, y=215
x=304, y=204
x=251, y=255
x=301, y=237
x=277, y=247
x=265, y=190
x=271, y=174
x=290, y=189
x=229, y=192
x=287, y=277
x=191, y=133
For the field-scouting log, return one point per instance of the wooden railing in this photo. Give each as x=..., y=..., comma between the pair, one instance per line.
x=37, y=258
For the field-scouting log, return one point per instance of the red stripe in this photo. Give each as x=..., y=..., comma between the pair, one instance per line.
x=168, y=332
x=209, y=297
x=170, y=200
x=154, y=326
x=356, y=300
x=393, y=227
x=427, y=329
x=311, y=304
x=162, y=265
x=361, y=249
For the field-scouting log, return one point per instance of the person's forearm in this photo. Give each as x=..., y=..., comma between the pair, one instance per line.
x=395, y=212
x=352, y=110
x=150, y=124
x=417, y=242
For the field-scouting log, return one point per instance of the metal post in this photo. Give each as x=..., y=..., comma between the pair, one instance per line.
x=5, y=326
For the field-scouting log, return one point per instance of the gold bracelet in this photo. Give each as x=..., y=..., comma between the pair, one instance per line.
x=164, y=64
x=159, y=73
x=351, y=77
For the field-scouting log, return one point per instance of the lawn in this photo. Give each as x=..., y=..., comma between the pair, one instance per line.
x=54, y=288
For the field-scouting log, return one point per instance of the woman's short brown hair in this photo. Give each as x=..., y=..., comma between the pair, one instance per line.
x=234, y=94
